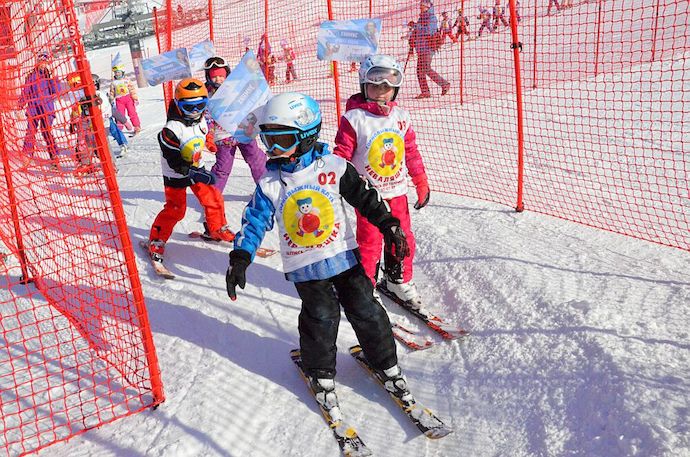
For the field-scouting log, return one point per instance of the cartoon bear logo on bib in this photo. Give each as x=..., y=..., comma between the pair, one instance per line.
x=386, y=154
x=121, y=88
x=191, y=149
x=308, y=217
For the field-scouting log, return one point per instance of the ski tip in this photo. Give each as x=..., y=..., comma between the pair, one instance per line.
x=265, y=252
x=356, y=349
x=437, y=433
x=360, y=452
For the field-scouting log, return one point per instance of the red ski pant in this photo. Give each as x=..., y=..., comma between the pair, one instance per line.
x=370, y=239
x=176, y=206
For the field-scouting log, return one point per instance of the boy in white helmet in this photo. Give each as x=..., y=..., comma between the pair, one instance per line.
x=305, y=188
x=376, y=135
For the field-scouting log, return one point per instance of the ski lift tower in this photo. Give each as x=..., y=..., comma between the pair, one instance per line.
x=129, y=19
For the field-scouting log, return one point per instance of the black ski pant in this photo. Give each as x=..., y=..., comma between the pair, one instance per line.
x=320, y=317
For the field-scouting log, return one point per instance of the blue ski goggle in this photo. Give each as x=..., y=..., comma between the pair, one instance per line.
x=280, y=140
x=193, y=106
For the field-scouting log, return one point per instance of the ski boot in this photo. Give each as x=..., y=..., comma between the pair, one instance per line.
x=324, y=392
x=406, y=292
x=396, y=384
x=123, y=152
x=222, y=234
x=156, y=250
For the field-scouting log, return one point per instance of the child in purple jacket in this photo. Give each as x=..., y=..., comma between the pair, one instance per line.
x=222, y=143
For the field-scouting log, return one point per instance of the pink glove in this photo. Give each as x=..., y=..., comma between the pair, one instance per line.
x=421, y=185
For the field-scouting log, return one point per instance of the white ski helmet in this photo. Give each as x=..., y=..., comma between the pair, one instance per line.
x=380, y=69
x=288, y=120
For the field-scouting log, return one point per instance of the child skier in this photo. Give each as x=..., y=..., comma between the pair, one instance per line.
x=461, y=25
x=485, y=19
x=81, y=124
x=125, y=94
x=376, y=135
x=303, y=188
x=499, y=15
x=446, y=28
x=108, y=120
x=289, y=58
x=222, y=143
x=266, y=59
x=553, y=3
x=39, y=92
x=182, y=141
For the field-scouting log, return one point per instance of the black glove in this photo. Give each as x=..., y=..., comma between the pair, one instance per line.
x=395, y=250
x=395, y=243
x=197, y=175
x=235, y=276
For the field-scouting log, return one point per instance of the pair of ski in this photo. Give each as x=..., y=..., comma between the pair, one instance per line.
x=349, y=441
x=409, y=337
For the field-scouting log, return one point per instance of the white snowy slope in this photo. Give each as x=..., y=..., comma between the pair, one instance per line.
x=580, y=340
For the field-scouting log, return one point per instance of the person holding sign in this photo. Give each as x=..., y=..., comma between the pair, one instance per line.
x=222, y=143
x=376, y=136
x=305, y=189
x=182, y=141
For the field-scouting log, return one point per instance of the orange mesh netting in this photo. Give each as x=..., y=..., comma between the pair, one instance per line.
x=597, y=134
x=75, y=345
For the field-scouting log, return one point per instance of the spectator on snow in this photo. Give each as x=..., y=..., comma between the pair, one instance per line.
x=267, y=61
x=425, y=38
x=517, y=11
x=82, y=124
x=409, y=36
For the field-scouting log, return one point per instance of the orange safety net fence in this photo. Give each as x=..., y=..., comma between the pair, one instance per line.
x=76, y=349
x=578, y=109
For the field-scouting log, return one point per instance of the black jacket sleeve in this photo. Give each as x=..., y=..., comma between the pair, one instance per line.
x=366, y=199
x=170, y=146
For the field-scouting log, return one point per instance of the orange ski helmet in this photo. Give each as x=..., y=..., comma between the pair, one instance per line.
x=190, y=88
